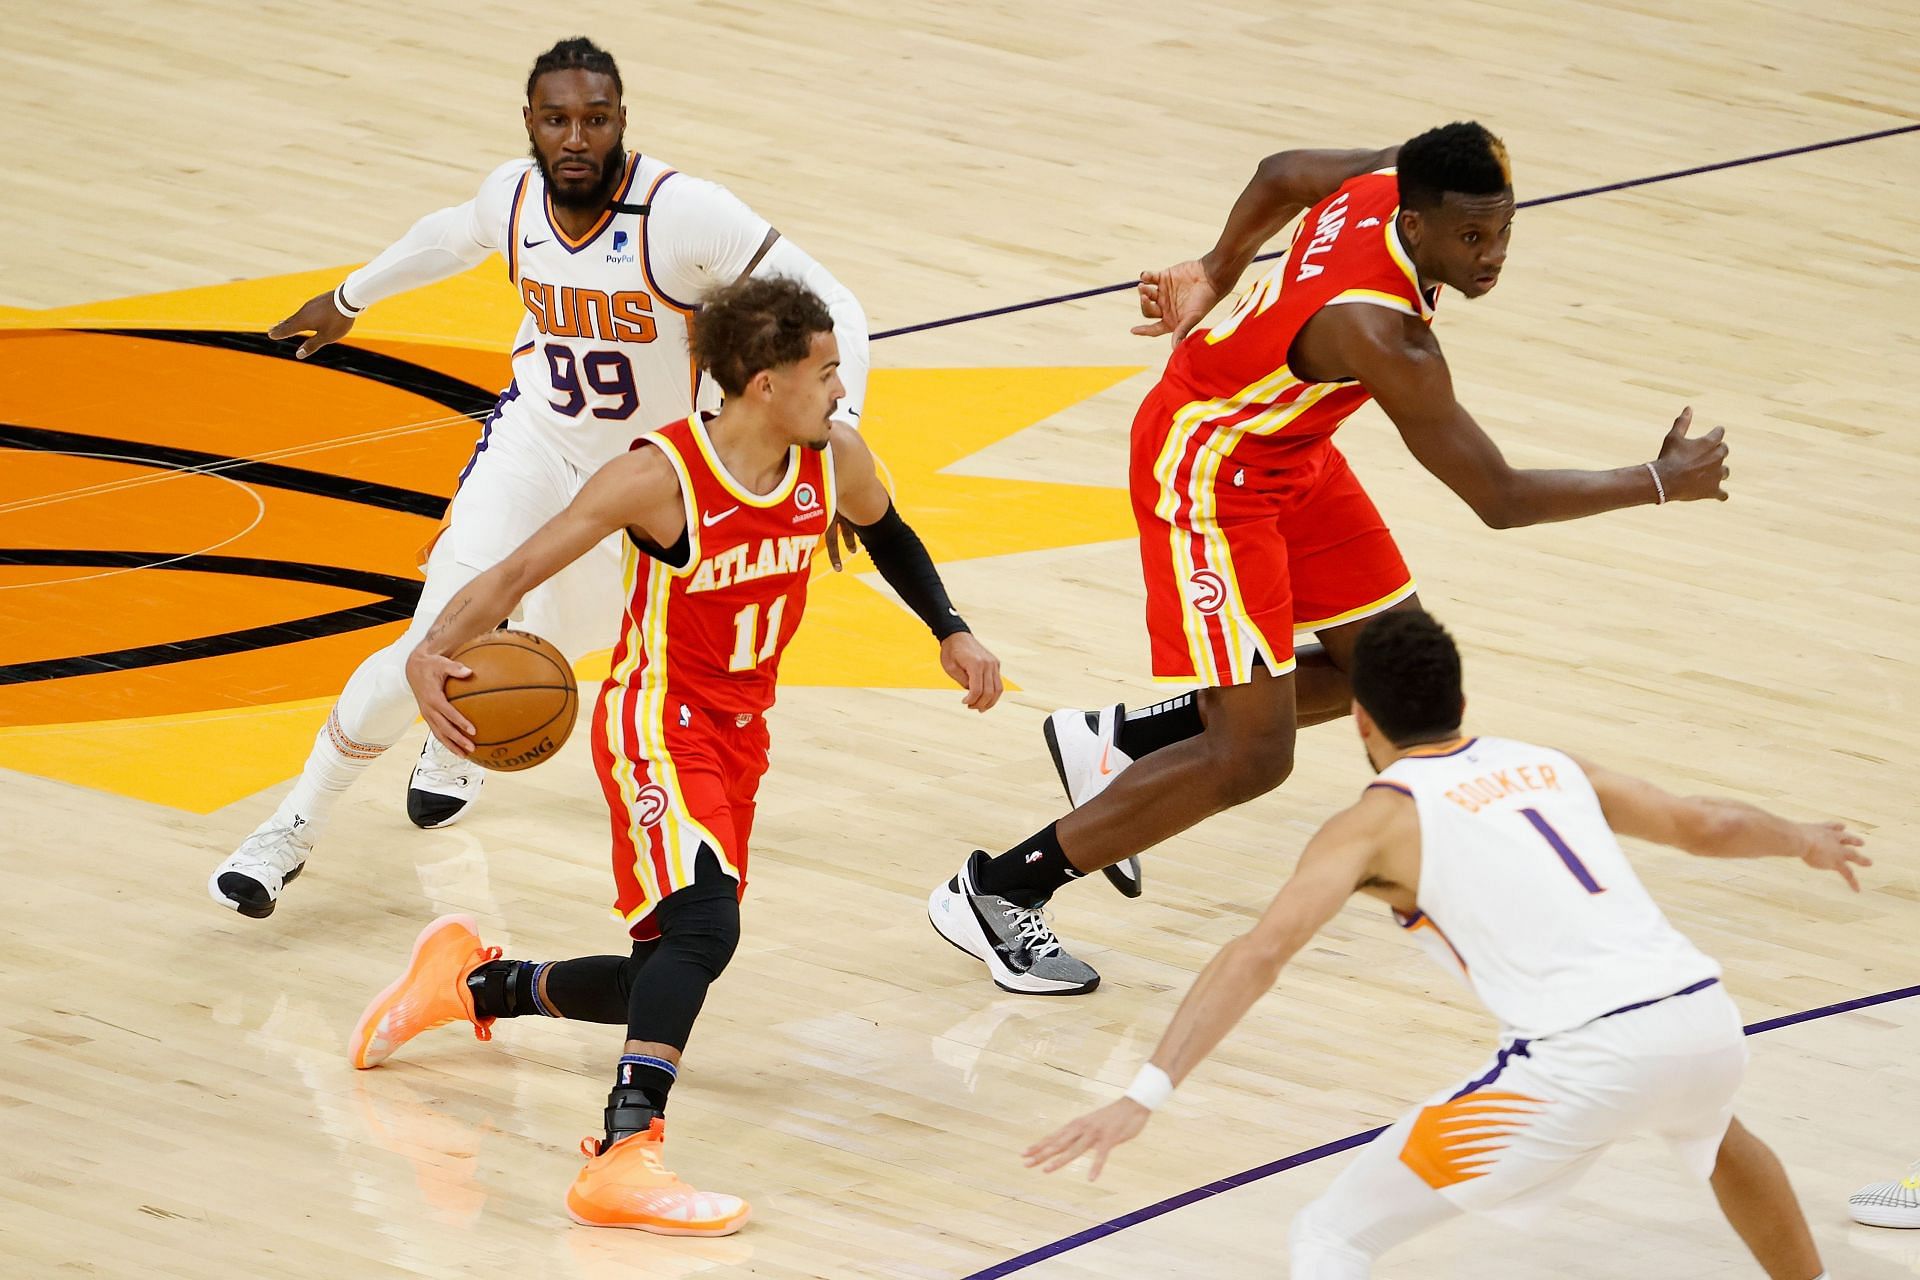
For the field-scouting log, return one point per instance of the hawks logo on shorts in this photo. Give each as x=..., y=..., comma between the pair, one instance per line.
x=679, y=739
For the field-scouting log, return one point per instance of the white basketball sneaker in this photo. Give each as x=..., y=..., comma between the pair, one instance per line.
x=251, y=878
x=442, y=787
x=1087, y=760
x=1888, y=1204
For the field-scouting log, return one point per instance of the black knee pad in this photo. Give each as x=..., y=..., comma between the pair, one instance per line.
x=700, y=924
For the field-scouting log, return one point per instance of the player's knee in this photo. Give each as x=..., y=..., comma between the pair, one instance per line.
x=704, y=931
x=1245, y=766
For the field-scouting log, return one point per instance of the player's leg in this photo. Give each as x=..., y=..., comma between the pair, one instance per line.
x=1753, y=1191
x=1377, y=1202
x=508, y=492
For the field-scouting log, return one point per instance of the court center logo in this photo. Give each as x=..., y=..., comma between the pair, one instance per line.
x=651, y=805
x=1208, y=590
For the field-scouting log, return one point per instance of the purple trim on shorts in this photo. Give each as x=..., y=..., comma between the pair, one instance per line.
x=1518, y=1049
x=507, y=397
x=1233, y=1182
x=1701, y=985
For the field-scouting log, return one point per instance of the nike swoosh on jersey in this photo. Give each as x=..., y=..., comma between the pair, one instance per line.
x=708, y=519
x=530, y=244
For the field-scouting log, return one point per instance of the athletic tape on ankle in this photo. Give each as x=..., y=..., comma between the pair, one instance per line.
x=1151, y=1087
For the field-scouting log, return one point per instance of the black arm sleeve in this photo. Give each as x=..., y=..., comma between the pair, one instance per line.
x=903, y=561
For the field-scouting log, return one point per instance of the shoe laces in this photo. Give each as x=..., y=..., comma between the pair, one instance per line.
x=1030, y=923
x=441, y=768
x=277, y=849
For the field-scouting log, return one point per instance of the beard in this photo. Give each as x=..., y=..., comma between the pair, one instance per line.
x=596, y=196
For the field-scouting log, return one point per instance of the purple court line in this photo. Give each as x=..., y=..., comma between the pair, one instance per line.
x=1334, y=1148
x=1082, y=294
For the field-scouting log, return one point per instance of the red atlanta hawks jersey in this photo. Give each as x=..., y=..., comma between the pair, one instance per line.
x=1233, y=378
x=711, y=631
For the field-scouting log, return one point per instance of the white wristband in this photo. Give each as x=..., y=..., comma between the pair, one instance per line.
x=341, y=304
x=1151, y=1087
x=1659, y=490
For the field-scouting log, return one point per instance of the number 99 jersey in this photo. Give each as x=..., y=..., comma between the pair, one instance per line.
x=602, y=353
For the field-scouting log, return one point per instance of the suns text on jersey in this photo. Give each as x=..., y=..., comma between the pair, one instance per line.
x=573, y=312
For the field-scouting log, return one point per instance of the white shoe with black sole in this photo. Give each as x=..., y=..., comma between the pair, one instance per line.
x=1015, y=943
x=251, y=878
x=1085, y=755
x=442, y=787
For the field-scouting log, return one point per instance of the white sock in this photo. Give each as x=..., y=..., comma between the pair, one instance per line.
x=374, y=709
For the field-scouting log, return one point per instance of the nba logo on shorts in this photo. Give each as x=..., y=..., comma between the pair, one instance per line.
x=650, y=805
x=1209, y=590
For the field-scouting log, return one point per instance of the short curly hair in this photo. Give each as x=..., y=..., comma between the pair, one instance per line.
x=1462, y=157
x=1406, y=675
x=761, y=322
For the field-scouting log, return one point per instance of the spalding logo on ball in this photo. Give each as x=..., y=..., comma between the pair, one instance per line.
x=521, y=699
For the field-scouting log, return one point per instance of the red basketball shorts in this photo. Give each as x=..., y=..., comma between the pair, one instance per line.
x=676, y=776
x=1239, y=556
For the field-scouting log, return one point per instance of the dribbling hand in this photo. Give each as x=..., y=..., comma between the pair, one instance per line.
x=428, y=674
x=1693, y=467
x=1831, y=847
x=969, y=665
x=1175, y=299
x=318, y=317
x=1097, y=1133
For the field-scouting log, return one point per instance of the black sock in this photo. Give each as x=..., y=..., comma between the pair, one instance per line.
x=1029, y=872
x=1147, y=730
x=653, y=1077
x=506, y=989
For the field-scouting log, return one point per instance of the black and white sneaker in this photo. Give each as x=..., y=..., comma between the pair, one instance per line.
x=1019, y=949
x=251, y=878
x=442, y=787
x=1088, y=760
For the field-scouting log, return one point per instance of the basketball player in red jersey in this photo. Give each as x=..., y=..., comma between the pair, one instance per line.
x=1252, y=526
x=721, y=517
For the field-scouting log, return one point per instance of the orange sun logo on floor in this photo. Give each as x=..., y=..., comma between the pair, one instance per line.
x=201, y=537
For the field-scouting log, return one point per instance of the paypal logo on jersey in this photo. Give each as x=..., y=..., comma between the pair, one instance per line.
x=621, y=250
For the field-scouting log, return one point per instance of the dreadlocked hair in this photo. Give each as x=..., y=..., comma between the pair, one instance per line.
x=761, y=322
x=1462, y=157
x=577, y=54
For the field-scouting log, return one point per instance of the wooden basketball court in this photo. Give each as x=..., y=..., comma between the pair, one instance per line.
x=175, y=1098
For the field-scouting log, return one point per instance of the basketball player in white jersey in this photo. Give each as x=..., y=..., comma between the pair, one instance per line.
x=610, y=251
x=1504, y=855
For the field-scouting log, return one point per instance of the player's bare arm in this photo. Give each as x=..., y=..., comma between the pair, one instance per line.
x=1177, y=298
x=1712, y=827
x=903, y=561
x=637, y=490
x=1358, y=848
x=1398, y=360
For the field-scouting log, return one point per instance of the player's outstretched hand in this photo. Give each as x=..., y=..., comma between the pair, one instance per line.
x=1693, y=467
x=1175, y=299
x=1831, y=847
x=841, y=530
x=428, y=673
x=1095, y=1134
x=318, y=317
x=968, y=663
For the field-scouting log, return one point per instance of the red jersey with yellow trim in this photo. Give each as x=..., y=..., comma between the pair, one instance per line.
x=1233, y=378
x=710, y=632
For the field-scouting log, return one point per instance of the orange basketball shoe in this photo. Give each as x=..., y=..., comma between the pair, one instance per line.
x=629, y=1185
x=431, y=993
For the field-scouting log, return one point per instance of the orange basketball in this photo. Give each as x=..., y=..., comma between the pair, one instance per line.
x=521, y=698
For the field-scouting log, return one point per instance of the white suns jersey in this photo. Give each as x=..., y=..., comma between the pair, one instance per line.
x=602, y=353
x=1527, y=890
